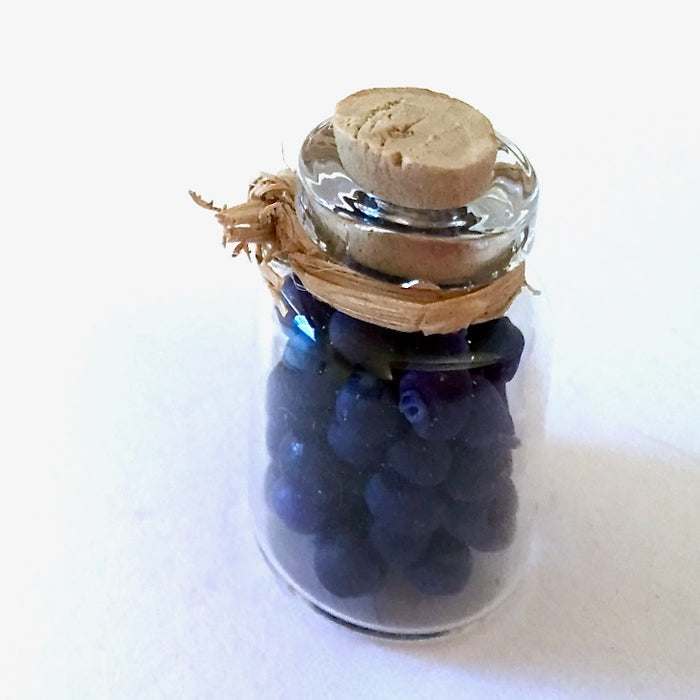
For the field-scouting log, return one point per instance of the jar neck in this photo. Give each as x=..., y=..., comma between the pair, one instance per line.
x=464, y=247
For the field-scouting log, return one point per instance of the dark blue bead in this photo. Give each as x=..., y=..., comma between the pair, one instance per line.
x=302, y=486
x=366, y=405
x=281, y=420
x=499, y=341
x=354, y=448
x=414, y=407
x=489, y=420
x=366, y=421
x=443, y=569
x=399, y=505
x=294, y=505
x=421, y=462
x=476, y=472
x=396, y=548
x=381, y=350
x=298, y=401
x=347, y=566
x=350, y=517
x=300, y=391
x=487, y=525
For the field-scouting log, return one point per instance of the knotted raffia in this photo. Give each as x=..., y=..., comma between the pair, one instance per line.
x=267, y=226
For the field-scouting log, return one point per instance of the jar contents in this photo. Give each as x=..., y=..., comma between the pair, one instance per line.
x=391, y=501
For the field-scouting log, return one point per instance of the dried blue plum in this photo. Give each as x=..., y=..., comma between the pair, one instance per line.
x=347, y=566
x=399, y=505
x=444, y=567
x=500, y=340
x=421, y=462
x=487, y=525
x=437, y=404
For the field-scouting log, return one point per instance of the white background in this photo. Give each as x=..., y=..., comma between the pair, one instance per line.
x=129, y=570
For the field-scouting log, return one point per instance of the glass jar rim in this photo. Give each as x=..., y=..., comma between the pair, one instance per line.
x=331, y=187
x=466, y=247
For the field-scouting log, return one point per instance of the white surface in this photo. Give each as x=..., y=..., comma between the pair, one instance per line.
x=129, y=569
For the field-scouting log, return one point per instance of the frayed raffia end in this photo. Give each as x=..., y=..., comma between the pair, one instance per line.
x=266, y=227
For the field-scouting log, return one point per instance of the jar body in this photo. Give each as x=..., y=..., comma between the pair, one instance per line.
x=393, y=475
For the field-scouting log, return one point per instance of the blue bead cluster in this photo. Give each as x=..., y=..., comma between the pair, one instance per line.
x=392, y=450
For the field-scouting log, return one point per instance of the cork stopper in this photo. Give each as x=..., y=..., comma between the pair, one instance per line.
x=414, y=147
x=468, y=245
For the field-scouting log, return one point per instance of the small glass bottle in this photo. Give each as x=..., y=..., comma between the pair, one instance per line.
x=392, y=474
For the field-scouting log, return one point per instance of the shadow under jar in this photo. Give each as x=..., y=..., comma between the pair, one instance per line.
x=392, y=483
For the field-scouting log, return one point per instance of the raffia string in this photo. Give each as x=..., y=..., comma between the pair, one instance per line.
x=267, y=227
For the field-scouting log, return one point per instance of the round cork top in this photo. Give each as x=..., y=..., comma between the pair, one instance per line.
x=414, y=147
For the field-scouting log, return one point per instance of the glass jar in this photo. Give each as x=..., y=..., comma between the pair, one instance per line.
x=392, y=474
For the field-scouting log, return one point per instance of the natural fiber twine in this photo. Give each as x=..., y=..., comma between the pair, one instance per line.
x=267, y=227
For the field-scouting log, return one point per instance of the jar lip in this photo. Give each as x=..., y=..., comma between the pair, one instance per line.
x=508, y=205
